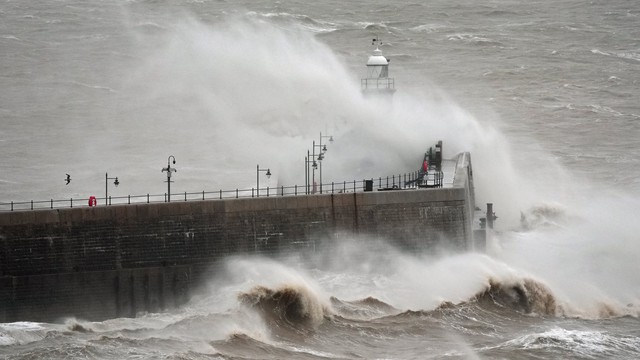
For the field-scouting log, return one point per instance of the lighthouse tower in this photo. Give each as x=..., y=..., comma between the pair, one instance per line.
x=378, y=81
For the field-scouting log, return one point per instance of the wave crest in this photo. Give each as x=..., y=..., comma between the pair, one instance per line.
x=528, y=296
x=364, y=309
x=289, y=305
x=543, y=216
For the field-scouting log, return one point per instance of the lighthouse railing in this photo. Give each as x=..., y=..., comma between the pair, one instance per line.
x=378, y=83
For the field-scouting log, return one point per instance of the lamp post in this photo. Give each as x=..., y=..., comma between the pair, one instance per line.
x=106, y=186
x=320, y=156
x=258, y=170
x=169, y=170
x=323, y=150
x=325, y=136
x=308, y=160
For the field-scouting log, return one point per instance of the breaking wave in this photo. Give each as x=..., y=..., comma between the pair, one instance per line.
x=541, y=216
x=527, y=296
x=290, y=305
x=587, y=344
x=20, y=333
x=532, y=297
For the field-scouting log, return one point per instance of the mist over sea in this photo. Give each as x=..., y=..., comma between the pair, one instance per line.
x=543, y=94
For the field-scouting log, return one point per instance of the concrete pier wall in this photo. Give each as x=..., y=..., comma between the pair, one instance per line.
x=113, y=261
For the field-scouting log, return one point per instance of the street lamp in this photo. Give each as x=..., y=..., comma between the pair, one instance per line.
x=309, y=159
x=325, y=136
x=258, y=170
x=323, y=149
x=106, y=186
x=169, y=170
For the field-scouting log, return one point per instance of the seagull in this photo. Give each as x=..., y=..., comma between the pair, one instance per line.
x=68, y=179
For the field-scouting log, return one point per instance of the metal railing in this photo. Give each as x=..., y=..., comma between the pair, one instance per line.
x=377, y=83
x=393, y=182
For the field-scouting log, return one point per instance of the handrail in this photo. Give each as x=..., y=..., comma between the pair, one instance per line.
x=377, y=83
x=390, y=182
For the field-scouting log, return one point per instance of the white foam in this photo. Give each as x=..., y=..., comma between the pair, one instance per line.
x=578, y=342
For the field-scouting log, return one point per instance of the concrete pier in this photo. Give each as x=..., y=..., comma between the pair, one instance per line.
x=114, y=261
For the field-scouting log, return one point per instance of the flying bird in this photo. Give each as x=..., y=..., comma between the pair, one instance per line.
x=68, y=179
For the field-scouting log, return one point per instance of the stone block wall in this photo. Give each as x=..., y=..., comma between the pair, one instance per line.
x=113, y=261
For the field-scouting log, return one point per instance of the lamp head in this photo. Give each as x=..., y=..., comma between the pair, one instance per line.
x=331, y=138
x=315, y=164
x=268, y=173
x=324, y=148
x=116, y=182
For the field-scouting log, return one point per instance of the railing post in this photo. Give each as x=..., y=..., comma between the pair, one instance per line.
x=52, y=203
x=203, y=195
x=295, y=191
x=31, y=204
x=185, y=196
x=12, y=206
x=236, y=193
x=129, y=199
x=332, y=187
x=147, y=198
x=267, y=191
x=71, y=202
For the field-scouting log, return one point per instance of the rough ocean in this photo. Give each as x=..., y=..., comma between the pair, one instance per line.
x=544, y=95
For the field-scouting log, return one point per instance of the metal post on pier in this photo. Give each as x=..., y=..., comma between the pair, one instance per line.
x=268, y=173
x=106, y=186
x=169, y=170
x=491, y=216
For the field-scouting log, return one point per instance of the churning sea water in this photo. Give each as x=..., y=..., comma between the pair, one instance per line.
x=543, y=94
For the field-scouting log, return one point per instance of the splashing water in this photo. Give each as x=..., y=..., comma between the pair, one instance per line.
x=225, y=95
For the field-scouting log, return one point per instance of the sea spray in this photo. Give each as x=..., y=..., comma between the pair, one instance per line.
x=585, y=250
x=361, y=268
x=226, y=95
